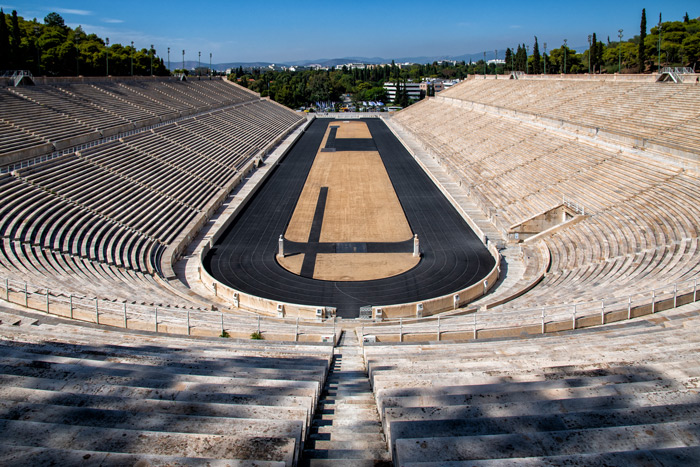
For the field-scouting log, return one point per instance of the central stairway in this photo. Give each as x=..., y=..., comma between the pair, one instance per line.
x=346, y=429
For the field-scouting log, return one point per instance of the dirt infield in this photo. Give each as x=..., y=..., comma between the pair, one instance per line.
x=360, y=205
x=362, y=266
x=352, y=129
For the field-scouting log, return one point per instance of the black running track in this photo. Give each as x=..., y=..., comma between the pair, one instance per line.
x=453, y=256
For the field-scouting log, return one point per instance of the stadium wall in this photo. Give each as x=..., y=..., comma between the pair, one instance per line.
x=446, y=302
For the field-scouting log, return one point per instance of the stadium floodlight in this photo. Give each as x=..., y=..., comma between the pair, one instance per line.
x=545, y=58
x=183, y=61
x=210, y=70
x=132, y=58
x=565, y=56
x=589, y=53
x=77, y=54
x=658, y=48
x=150, y=52
x=107, y=50
x=199, y=64
x=168, y=60
x=37, y=34
x=619, y=54
x=527, y=63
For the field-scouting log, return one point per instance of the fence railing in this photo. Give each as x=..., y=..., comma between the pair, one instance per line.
x=191, y=322
x=514, y=322
x=685, y=70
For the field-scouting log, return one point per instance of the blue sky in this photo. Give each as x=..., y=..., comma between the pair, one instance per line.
x=279, y=31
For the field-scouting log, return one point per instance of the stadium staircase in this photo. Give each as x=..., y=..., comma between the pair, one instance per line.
x=346, y=428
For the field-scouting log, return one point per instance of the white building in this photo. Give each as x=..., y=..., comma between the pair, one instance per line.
x=413, y=90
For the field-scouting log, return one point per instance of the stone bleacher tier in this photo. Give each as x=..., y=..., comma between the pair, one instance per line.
x=96, y=221
x=73, y=395
x=106, y=214
x=643, y=216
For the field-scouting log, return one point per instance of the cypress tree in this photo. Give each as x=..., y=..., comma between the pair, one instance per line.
x=536, y=58
x=509, y=59
x=16, y=43
x=5, y=57
x=594, y=53
x=642, y=36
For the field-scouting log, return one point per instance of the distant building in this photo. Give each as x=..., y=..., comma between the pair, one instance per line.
x=413, y=90
x=355, y=66
x=437, y=84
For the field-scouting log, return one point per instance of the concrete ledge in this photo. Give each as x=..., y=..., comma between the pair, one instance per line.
x=447, y=302
x=24, y=154
x=115, y=130
x=76, y=140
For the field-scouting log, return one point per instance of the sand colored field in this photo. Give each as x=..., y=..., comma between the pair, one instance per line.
x=292, y=263
x=352, y=129
x=361, y=205
x=362, y=266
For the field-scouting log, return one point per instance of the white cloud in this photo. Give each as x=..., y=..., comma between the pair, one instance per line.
x=71, y=11
x=112, y=21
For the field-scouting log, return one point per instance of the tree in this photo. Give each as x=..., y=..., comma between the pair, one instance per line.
x=16, y=42
x=642, y=35
x=5, y=54
x=54, y=20
x=593, y=52
x=685, y=18
x=509, y=59
x=536, y=58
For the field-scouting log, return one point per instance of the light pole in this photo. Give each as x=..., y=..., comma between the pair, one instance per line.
x=107, y=50
x=565, y=56
x=199, y=65
x=495, y=60
x=37, y=34
x=658, y=48
x=211, y=72
x=619, y=54
x=168, y=60
x=484, y=65
x=132, y=58
x=150, y=52
x=589, y=54
x=527, y=63
x=183, y=61
x=545, y=58
x=77, y=55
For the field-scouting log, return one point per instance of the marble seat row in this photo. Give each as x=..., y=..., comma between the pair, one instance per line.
x=63, y=115
x=107, y=213
x=120, y=397
x=629, y=108
x=580, y=397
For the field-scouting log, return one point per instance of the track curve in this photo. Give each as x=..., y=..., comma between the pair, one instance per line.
x=453, y=256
